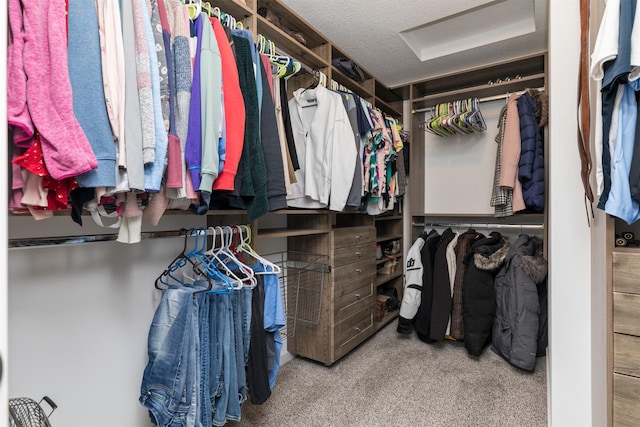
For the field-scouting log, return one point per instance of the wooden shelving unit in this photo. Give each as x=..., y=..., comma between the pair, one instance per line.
x=388, y=231
x=388, y=318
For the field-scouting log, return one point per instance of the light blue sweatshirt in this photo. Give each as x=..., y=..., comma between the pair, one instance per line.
x=89, y=105
x=153, y=172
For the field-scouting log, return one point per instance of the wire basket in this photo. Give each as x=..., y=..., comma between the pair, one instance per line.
x=303, y=276
x=26, y=412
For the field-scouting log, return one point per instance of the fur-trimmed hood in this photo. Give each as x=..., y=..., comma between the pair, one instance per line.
x=491, y=252
x=542, y=106
x=534, y=265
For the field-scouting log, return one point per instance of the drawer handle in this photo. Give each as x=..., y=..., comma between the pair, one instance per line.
x=357, y=295
x=357, y=329
x=358, y=270
x=358, y=254
x=358, y=237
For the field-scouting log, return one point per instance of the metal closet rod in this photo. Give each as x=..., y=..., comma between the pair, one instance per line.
x=485, y=225
x=38, y=242
x=485, y=99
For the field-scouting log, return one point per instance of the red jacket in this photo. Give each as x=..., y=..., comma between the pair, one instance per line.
x=234, y=110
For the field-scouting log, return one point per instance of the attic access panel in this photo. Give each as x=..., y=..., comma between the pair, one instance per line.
x=489, y=23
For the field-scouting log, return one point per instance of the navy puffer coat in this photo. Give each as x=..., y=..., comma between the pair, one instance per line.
x=531, y=165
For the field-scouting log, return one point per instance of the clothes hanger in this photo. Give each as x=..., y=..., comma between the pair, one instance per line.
x=228, y=20
x=211, y=271
x=457, y=122
x=211, y=11
x=436, y=124
x=228, y=233
x=286, y=66
x=216, y=263
x=195, y=8
x=477, y=121
x=245, y=246
x=179, y=261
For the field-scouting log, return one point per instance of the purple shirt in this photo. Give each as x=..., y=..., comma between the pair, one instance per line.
x=193, y=145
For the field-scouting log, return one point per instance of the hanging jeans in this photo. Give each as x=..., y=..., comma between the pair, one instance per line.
x=223, y=360
x=204, y=365
x=166, y=390
x=198, y=347
x=230, y=343
x=241, y=302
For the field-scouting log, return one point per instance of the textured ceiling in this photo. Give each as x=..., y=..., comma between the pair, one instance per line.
x=368, y=31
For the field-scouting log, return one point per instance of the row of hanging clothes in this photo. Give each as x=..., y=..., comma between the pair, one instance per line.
x=519, y=178
x=615, y=66
x=481, y=289
x=354, y=157
x=192, y=114
x=214, y=341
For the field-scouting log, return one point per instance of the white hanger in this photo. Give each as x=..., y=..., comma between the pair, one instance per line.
x=214, y=254
x=195, y=8
x=245, y=247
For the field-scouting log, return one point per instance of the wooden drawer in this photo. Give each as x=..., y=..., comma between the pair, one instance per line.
x=349, y=310
x=348, y=297
x=626, y=355
x=626, y=313
x=626, y=395
x=351, y=254
x=353, y=236
x=353, y=272
x=626, y=272
x=355, y=328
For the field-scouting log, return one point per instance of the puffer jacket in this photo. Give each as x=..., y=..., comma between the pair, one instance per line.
x=519, y=327
x=483, y=261
x=531, y=164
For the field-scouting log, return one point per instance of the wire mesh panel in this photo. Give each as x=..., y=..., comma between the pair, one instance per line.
x=26, y=412
x=304, y=275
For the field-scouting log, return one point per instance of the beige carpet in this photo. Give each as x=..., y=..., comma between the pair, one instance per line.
x=399, y=381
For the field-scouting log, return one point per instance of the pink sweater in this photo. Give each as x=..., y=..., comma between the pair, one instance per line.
x=39, y=91
x=511, y=154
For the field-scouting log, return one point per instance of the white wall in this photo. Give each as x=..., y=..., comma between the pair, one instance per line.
x=79, y=321
x=573, y=359
x=80, y=316
x=459, y=169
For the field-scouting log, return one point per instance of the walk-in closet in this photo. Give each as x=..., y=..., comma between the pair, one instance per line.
x=288, y=213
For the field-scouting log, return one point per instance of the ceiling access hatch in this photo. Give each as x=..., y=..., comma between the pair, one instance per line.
x=489, y=23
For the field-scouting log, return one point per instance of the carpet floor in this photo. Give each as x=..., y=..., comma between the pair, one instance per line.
x=393, y=380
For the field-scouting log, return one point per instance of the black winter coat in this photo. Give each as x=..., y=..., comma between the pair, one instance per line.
x=423, y=317
x=441, y=304
x=519, y=332
x=483, y=261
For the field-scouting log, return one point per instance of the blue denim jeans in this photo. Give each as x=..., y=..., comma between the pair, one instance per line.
x=166, y=390
x=204, y=359
x=193, y=369
x=223, y=361
x=241, y=303
x=246, y=322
